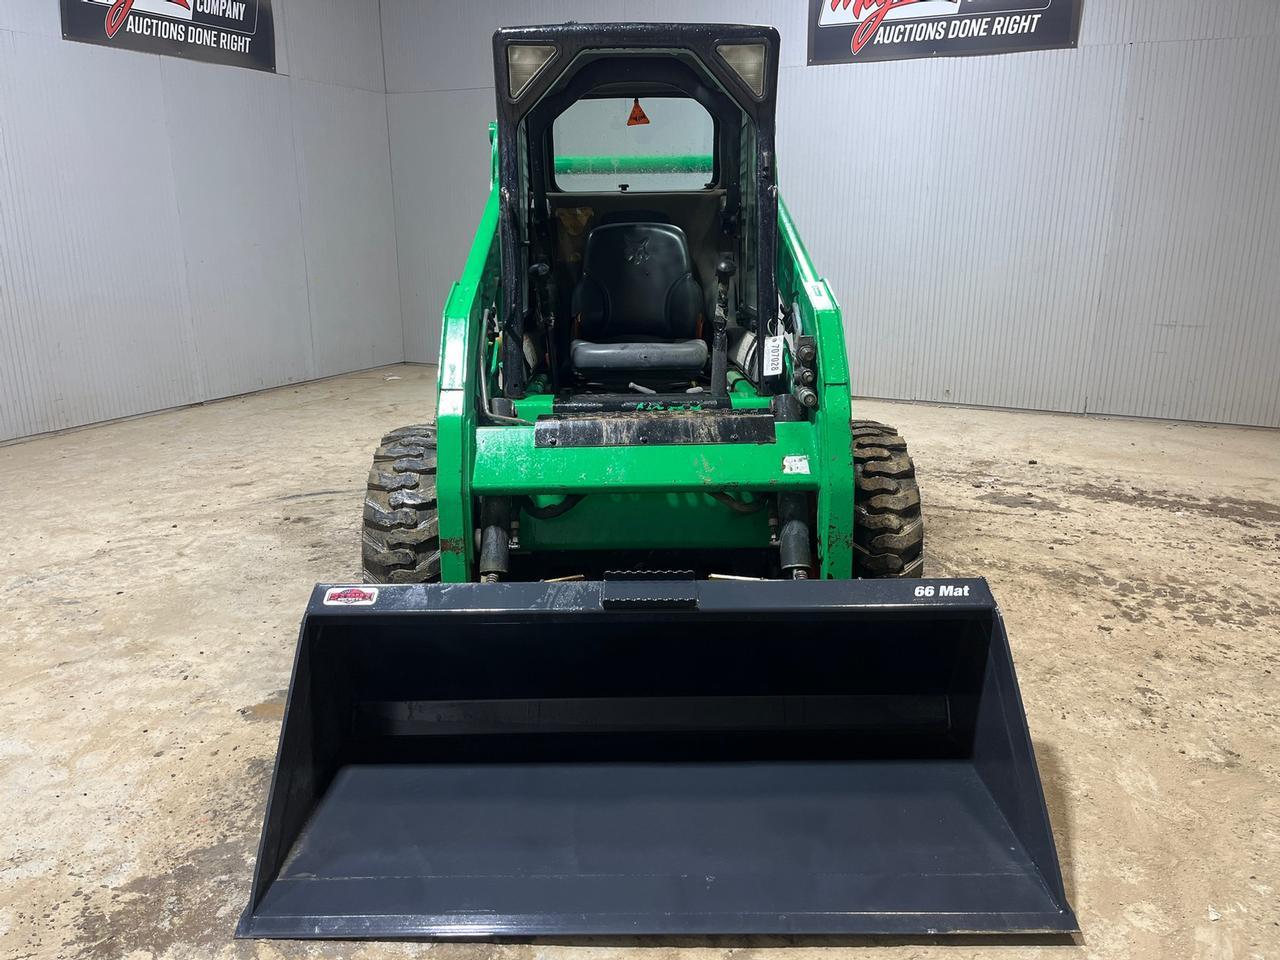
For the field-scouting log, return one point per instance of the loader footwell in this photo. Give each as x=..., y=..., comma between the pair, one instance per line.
x=535, y=759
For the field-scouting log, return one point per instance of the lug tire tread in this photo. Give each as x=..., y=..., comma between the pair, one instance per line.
x=888, y=523
x=400, y=540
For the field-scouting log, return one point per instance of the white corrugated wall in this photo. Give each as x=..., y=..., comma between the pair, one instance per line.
x=1083, y=230
x=1091, y=230
x=173, y=231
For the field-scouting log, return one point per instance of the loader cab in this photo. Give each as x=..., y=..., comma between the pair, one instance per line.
x=647, y=354
x=638, y=209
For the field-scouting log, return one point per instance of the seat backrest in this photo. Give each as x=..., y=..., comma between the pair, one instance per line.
x=637, y=282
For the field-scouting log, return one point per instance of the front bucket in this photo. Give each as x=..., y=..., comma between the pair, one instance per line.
x=718, y=757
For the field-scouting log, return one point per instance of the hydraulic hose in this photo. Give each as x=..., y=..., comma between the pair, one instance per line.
x=486, y=405
x=551, y=512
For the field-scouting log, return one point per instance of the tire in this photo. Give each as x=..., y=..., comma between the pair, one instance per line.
x=401, y=537
x=888, y=528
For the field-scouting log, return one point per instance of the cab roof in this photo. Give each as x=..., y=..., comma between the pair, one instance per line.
x=704, y=41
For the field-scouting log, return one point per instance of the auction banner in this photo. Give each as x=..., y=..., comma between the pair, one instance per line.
x=240, y=33
x=856, y=31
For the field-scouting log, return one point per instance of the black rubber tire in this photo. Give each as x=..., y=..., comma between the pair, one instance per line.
x=401, y=538
x=888, y=528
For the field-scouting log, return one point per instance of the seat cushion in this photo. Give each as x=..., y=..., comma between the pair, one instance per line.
x=685, y=356
x=637, y=284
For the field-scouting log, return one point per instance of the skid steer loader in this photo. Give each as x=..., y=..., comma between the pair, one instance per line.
x=642, y=645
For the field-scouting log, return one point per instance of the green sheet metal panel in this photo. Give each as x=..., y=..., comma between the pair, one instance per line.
x=818, y=315
x=646, y=521
x=455, y=401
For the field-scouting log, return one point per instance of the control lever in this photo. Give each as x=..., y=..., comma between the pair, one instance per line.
x=545, y=290
x=725, y=270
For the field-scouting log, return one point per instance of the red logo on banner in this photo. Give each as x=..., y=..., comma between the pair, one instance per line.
x=874, y=10
x=118, y=13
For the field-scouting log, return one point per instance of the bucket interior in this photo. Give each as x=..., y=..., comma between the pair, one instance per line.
x=656, y=773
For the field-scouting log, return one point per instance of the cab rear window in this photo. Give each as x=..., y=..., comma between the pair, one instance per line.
x=648, y=144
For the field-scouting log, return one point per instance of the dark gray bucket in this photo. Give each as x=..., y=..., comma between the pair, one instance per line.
x=716, y=757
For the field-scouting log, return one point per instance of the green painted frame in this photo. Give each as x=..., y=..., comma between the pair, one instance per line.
x=461, y=335
x=674, y=163
x=475, y=459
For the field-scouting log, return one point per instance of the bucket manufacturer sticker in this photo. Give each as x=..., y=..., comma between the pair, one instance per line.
x=796, y=463
x=350, y=596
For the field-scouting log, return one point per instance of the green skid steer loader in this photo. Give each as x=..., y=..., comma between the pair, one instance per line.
x=642, y=645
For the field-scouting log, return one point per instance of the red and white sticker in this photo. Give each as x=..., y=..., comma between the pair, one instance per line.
x=351, y=596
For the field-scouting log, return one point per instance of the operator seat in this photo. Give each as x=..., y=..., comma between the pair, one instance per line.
x=638, y=307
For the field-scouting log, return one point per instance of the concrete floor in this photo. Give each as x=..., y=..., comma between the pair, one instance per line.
x=154, y=571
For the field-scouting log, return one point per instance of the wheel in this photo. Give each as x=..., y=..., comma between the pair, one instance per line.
x=401, y=539
x=888, y=528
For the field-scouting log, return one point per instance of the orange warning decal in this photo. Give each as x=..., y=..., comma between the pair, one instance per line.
x=637, y=114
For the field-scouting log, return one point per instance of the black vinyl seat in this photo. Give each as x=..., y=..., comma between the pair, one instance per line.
x=638, y=306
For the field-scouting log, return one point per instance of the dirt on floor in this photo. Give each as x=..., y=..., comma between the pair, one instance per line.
x=154, y=572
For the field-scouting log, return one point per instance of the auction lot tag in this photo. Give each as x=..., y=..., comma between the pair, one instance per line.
x=773, y=356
